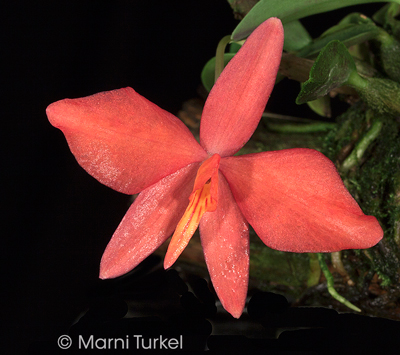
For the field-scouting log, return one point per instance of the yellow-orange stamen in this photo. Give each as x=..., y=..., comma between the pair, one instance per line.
x=203, y=199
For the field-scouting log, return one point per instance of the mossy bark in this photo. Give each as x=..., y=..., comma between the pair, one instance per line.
x=374, y=182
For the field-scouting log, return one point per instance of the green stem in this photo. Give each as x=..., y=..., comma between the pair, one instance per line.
x=301, y=128
x=330, y=284
x=356, y=81
x=336, y=259
x=315, y=270
x=382, y=95
x=362, y=146
x=219, y=56
x=285, y=117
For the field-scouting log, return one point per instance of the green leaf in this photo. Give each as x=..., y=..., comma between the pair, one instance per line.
x=381, y=15
x=208, y=72
x=234, y=47
x=348, y=34
x=296, y=36
x=332, y=69
x=289, y=10
x=386, y=14
x=353, y=29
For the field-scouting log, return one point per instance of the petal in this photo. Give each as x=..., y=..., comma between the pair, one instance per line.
x=123, y=140
x=238, y=98
x=225, y=241
x=148, y=223
x=296, y=201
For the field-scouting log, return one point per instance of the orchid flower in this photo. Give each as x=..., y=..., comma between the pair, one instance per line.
x=294, y=199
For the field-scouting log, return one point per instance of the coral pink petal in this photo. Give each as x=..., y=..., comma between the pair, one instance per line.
x=296, y=201
x=238, y=98
x=225, y=241
x=148, y=223
x=123, y=140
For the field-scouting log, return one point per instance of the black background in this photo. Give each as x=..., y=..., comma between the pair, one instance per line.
x=57, y=219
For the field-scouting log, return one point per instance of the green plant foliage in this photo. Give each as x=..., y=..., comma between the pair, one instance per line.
x=389, y=55
x=332, y=69
x=382, y=95
x=234, y=47
x=362, y=145
x=301, y=127
x=373, y=180
x=296, y=36
x=387, y=16
x=330, y=284
x=348, y=34
x=289, y=10
x=208, y=72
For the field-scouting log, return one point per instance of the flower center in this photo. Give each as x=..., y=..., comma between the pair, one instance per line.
x=203, y=198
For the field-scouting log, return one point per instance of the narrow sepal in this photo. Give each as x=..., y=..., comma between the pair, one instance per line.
x=238, y=98
x=204, y=198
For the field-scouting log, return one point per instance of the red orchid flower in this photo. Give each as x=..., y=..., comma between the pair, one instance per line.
x=294, y=199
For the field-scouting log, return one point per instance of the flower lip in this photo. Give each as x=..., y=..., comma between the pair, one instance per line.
x=208, y=171
x=204, y=198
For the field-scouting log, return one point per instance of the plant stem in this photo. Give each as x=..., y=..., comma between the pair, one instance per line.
x=285, y=117
x=301, y=128
x=336, y=259
x=330, y=284
x=357, y=81
x=315, y=270
x=362, y=146
x=219, y=56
